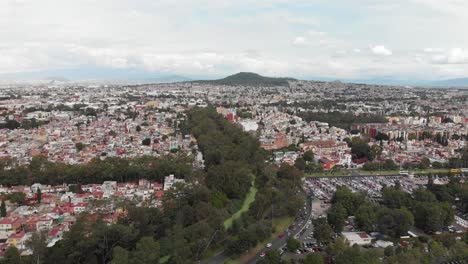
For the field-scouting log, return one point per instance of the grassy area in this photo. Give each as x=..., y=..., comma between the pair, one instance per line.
x=164, y=259
x=279, y=224
x=393, y=172
x=249, y=199
x=382, y=172
x=433, y=171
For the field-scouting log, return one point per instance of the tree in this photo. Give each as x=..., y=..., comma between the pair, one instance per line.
x=39, y=195
x=322, y=230
x=308, y=156
x=337, y=247
x=273, y=257
x=232, y=178
x=464, y=157
x=119, y=256
x=394, y=197
x=437, y=165
x=425, y=163
x=395, y=222
x=433, y=216
x=3, y=211
x=79, y=146
x=349, y=200
x=390, y=165
x=336, y=217
x=366, y=217
x=138, y=128
x=423, y=195
x=17, y=197
x=146, y=142
x=147, y=251
x=293, y=244
x=360, y=149
x=38, y=245
x=300, y=164
x=314, y=258
x=11, y=256
x=381, y=136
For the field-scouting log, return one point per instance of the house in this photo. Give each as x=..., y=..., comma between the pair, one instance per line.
x=56, y=232
x=79, y=207
x=358, y=238
x=18, y=240
x=6, y=224
x=169, y=181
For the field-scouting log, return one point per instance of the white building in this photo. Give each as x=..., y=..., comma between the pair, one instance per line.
x=357, y=238
x=169, y=181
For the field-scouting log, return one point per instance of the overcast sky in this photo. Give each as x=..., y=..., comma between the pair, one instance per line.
x=406, y=39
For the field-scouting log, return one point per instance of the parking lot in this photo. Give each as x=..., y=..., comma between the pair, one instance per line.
x=324, y=188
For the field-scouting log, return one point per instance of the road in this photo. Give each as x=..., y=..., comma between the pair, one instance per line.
x=276, y=244
x=298, y=226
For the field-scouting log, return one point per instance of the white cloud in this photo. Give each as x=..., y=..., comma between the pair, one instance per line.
x=453, y=56
x=300, y=41
x=381, y=50
x=433, y=50
x=212, y=37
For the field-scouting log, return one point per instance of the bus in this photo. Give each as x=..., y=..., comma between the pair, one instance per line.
x=404, y=173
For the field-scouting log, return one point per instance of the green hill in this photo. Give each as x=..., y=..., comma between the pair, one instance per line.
x=249, y=79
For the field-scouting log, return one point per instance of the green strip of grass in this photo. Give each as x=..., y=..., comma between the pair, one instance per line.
x=396, y=172
x=164, y=259
x=249, y=199
x=382, y=172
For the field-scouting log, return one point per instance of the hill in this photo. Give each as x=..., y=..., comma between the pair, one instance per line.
x=461, y=82
x=249, y=79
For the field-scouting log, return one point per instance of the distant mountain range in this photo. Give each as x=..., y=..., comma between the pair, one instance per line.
x=249, y=79
x=460, y=82
x=93, y=74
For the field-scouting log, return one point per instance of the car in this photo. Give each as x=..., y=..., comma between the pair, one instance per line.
x=281, y=235
x=262, y=255
x=269, y=245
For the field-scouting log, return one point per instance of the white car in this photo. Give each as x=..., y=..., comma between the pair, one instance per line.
x=269, y=245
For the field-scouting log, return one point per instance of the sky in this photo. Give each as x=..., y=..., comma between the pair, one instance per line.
x=342, y=39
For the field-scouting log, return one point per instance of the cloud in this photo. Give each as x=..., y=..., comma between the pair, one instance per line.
x=225, y=36
x=453, y=56
x=300, y=41
x=381, y=50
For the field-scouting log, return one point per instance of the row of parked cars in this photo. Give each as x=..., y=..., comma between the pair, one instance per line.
x=324, y=188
